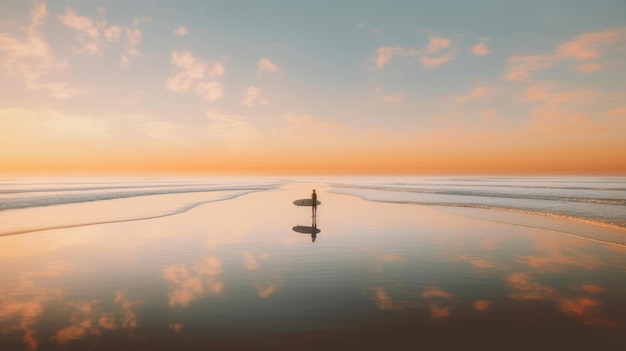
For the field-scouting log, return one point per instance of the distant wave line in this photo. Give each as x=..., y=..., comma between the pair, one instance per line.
x=81, y=198
x=513, y=186
x=621, y=228
x=167, y=214
x=64, y=189
x=602, y=201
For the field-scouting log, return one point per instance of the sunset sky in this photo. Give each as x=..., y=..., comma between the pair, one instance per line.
x=366, y=87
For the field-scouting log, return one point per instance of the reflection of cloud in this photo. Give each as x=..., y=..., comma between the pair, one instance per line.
x=188, y=285
x=74, y=332
x=23, y=302
x=435, y=301
x=176, y=327
x=384, y=302
x=525, y=289
x=127, y=316
x=386, y=259
x=585, y=310
x=589, y=288
x=382, y=299
x=251, y=262
x=265, y=289
x=437, y=312
x=481, y=263
x=434, y=292
x=481, y=305
x=555, y=263
x=92, y=319
x=434, y=298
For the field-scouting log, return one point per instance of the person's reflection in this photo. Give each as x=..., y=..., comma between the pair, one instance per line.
x=313, y=230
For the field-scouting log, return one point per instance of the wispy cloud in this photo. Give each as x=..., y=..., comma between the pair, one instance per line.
x=305, y=124
x=438, y=51
x=384, y=55
x=265, y=67
x=252, y=97
x=32, y=59
x=233, y=131
x=201, y=75
x=180, y=30
x=585, y=47
x=481, y=48
x=559, y=110
x=389, y=98
x=94, y=35
x=484, y=93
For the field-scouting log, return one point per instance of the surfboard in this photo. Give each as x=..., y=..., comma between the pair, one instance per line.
x=305, y=230
x=305, y=202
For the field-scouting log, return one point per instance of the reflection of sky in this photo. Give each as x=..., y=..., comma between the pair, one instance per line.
x=237, y=267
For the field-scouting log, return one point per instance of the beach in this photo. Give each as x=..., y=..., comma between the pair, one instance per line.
x=225, y=269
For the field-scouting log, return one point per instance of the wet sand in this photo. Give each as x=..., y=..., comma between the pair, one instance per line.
x=234, y=274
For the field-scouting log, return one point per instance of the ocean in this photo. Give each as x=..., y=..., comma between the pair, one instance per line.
x=598, y=202
x=164, y=263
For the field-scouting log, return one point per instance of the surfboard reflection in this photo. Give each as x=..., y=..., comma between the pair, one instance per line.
x=313, y=230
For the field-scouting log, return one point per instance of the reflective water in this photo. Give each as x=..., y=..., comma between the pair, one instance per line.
x=235, y=274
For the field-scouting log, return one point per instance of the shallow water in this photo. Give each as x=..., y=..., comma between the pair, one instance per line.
x=234, y=274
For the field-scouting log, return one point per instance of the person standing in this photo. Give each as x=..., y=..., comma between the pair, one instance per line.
x=314, y=202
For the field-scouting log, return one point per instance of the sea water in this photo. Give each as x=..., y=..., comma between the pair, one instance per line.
x=36, y=204
x=44, y=203
x=214, y=263
x=597, y=201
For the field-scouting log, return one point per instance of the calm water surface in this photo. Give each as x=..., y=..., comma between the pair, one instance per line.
x=231, y=272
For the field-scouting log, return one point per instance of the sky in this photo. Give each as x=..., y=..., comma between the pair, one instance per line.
x=313, y=87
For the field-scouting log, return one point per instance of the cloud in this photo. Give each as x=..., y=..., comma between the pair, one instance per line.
x=389, y=98
x=304, y=124
x=433, y=62
x=201, y=75
x=426, y=55
x=585, y=47
x=557, y=110
x=252, y=97
x=436, y=43
x=267, y=68
x=586, y=67
x=520, y=67
x=180, y=30
x=31, y=59
x=233, y=131
x=548, y=91
x=384, y=55
x=94, y=35
x=481, y=48
x=484, y=93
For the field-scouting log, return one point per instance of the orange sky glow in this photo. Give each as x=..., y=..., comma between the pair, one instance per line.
x=109, y=88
